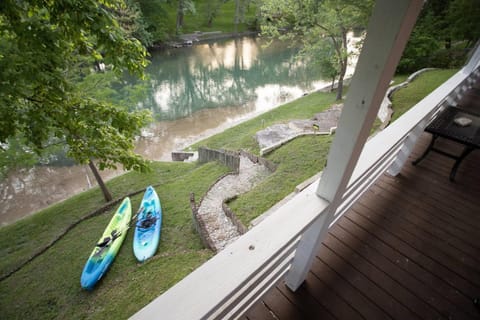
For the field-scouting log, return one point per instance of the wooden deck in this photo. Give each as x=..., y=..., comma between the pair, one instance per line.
x=408, y=249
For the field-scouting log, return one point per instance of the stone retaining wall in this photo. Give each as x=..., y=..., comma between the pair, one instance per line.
x=199, y=225
x=256, y=159
x=181, y=155
x=231, y=215
x=387, y=103
x=228, y=158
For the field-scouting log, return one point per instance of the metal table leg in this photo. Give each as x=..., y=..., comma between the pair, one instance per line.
x=465, y=153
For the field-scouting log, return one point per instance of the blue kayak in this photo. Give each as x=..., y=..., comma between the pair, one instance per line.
x=107, y=246
x=147, y=229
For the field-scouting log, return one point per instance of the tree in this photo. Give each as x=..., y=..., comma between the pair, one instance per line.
x=236, y=17
x=441, y=26
x=212, y=7
x=155, y=16
x=41, y=45
x=324, y=58
x=132, y=21
x=317, y=24
x=184, y=6
x=14, y=155
x=464, y=20
x=241, y=8
x=419, y=50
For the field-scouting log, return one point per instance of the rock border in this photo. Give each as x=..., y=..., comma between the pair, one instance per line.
x=387, y=103
x=232, y=216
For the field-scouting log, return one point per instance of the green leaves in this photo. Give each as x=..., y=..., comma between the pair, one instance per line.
x=42, y=45
x=443, y=24
x=104, y=132
x=321, y=27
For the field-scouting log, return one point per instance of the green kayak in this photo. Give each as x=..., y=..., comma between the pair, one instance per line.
x=107, y=247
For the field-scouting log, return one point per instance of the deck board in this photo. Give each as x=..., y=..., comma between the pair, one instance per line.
x=304, y=300
x=418, y=288
x=414, y=268
x=409, y=248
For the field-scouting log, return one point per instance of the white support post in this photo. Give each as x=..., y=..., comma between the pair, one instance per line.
x=406, y=149
x=452, y=99
x=387, y=34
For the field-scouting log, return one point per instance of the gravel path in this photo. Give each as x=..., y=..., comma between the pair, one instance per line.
x=219, y=227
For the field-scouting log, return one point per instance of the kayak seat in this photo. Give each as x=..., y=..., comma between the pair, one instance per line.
x=105, y=242
x=108, y=240
x=148, y=222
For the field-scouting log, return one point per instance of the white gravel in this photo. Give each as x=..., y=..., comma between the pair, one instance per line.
x=219, y=227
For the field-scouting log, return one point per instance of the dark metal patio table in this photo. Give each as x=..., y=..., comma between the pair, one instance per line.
x=448, y=124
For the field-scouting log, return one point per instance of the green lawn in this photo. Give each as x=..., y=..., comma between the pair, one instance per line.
x=49, y=286
x=425, y=83
x=399, y=78
x=296, y=161
x=306, y=156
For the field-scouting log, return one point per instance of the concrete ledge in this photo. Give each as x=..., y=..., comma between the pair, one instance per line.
x=181, y=155
x=280, y=143
x=308, y=182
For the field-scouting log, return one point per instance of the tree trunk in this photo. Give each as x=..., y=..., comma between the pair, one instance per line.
x=180, y=15
x=212, y=10
x=343, y=70
x=332, y=86
x=339, y=89
x=237, y=15
x=343, y=65
x=340, y=81
x=101, y=184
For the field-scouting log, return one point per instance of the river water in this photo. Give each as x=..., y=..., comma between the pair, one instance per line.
x=192, y=92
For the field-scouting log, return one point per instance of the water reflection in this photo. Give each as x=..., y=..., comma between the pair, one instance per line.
x=215, y=75
x=193, y=92
x=27, y=191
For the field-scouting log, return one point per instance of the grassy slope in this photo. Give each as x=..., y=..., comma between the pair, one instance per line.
x=297, y=161
x=407, y=97
x=242, y=136
x=49, y=286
